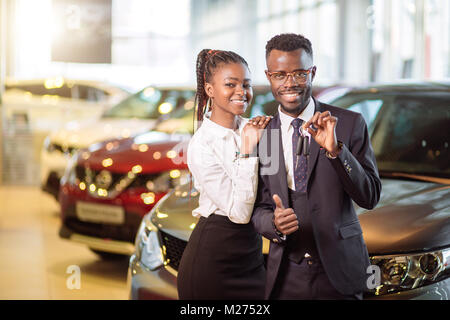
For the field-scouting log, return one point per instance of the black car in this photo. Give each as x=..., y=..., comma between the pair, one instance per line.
x=407, y=234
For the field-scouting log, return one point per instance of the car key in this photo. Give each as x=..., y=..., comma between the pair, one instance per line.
x=305, y=146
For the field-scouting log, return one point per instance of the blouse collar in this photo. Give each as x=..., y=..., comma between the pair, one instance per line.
x=220, y=131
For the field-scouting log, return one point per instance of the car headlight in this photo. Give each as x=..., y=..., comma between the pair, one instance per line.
x=65, y=149
x=406, y=272
x=70, y=172
x=148, y=248
x=48, y=145
x=162, y=182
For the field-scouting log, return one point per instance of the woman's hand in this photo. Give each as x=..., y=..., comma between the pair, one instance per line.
x=252, y=132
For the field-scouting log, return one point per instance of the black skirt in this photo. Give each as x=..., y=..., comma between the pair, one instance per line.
x=222, y=260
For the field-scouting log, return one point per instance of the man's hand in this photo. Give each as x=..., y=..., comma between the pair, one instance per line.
x=285, y=219
x=325, y=131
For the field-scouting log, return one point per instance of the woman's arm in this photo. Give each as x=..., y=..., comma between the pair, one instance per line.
x=232, y=192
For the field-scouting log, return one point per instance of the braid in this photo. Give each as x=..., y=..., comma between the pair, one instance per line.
x=207, y=62
x=200, y=96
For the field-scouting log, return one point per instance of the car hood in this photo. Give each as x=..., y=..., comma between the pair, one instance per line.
x=82, y=134
x=411, y=216
x=149, y=152
x=174, y=212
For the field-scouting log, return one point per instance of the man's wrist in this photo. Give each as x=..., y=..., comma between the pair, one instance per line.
x=281, y=235
x=334, y=154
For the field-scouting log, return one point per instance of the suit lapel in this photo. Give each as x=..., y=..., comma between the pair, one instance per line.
x=279, y=180
x=314, y=146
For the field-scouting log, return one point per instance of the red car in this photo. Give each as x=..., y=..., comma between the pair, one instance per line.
x=108, y=188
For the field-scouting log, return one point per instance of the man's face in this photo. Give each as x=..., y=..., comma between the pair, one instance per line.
x=293, y=93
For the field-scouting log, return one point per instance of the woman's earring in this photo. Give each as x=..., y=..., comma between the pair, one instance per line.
x=209, y=104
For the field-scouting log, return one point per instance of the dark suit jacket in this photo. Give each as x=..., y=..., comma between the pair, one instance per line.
x=332, y=185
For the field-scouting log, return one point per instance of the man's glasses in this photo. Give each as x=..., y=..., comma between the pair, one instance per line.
x=299, y=76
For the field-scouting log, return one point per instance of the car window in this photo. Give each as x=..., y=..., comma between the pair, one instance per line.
x=151, y=103
x=263, y=104
x=88, y=93
x=368, y=105
x=182, y=119
x=140, y=105
x=409, y=132
x=368, y=109
x=40, y=90
x=413, y=136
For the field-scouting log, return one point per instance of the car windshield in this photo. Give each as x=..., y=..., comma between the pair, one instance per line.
x=182, y=119
x=150, y=103
x=409, y=131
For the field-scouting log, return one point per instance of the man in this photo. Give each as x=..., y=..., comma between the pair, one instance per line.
x=305, y=208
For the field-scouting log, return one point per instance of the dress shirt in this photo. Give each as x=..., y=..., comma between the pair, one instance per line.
x=227, y=183
x=286, y=138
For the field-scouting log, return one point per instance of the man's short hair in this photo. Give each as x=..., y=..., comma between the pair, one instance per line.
x=289, y=42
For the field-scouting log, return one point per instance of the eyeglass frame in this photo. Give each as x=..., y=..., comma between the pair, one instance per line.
x=307, y=71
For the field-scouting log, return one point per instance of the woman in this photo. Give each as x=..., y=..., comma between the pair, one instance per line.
x=223, y=258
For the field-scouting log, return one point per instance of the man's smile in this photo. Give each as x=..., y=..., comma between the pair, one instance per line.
x=291, y=95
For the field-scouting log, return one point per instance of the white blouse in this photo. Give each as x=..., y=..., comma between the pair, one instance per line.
x=226, y=183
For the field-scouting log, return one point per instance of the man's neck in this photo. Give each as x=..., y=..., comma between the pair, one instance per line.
x=297, y=112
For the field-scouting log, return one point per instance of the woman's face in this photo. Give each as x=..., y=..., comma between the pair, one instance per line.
x=230, y=89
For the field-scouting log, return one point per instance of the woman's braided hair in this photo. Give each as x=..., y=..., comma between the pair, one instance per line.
x=207, y=62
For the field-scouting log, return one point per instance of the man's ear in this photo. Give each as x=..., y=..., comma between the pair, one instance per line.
x=209, y=89
x=267, y=74
x=313, y=73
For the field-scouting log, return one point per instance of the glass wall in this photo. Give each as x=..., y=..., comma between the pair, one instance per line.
x=150, y=43
x=354, y=41
x=246, y=26
x=410, y=39
x=437, y=38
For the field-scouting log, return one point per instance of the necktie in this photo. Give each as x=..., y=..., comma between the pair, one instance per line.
x=300, y=162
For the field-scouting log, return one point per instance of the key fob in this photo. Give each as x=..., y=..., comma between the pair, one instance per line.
x=300, y=144
x=306, y=146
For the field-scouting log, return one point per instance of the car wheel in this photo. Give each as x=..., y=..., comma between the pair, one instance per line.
x=109, y=255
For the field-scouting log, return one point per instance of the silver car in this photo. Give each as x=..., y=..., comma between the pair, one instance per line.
x=407, y=234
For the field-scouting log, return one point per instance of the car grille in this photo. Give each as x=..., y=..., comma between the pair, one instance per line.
x=174, y=249
x=63, y=149
x=109, y=184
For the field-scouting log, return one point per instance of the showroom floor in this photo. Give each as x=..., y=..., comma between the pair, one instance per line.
x=36, y=264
